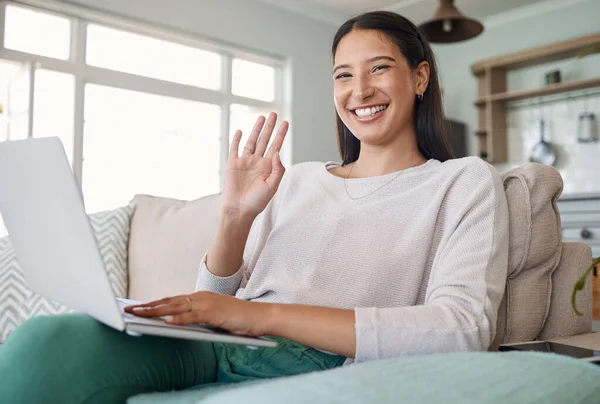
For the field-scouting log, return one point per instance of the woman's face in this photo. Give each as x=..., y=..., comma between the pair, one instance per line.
x=374, y=87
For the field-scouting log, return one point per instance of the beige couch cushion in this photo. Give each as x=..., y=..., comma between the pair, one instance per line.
x=168, y=238
x=534, y=250
x=562, y=320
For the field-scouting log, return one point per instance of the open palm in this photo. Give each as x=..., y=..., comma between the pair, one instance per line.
x=252, y=179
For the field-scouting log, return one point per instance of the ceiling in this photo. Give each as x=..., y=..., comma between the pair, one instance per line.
x=336, y=11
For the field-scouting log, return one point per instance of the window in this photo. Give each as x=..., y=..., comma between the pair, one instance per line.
x=174, y=145
x=138, y=54
x=10, y=75
x=37, y=32
x=54, y=106
x=138, y=109
x=253, y=80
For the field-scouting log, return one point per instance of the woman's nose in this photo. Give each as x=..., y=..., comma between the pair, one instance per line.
x=364, y=89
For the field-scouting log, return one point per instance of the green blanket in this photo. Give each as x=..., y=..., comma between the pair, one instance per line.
x=465, y=378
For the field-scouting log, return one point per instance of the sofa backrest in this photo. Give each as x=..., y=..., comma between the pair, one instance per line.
x=540, y=267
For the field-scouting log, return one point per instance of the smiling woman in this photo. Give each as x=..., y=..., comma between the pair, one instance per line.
x=397, y=250
x=383, y=66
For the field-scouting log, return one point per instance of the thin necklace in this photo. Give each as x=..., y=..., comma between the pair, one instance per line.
x=377, y=189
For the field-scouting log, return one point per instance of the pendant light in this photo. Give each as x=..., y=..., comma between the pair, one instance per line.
x=449, y=25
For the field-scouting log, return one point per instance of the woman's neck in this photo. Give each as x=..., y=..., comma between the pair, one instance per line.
x=374, y=161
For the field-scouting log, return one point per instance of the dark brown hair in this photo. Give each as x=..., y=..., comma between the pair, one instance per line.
x=428, y=114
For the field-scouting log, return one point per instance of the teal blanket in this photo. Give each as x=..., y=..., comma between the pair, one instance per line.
x=465, y=378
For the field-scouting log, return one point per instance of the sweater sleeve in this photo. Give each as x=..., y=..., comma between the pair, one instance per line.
x=466, y=283
x=257, y=238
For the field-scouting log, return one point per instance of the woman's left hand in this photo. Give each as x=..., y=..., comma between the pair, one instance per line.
x=226, y=312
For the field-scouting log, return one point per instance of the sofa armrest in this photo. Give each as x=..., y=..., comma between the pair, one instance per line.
x=562, y=320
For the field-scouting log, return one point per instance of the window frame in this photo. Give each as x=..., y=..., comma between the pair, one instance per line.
x=81, y=16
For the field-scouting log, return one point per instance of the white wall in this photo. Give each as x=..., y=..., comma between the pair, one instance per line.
x=255, y=26
x=543, y=24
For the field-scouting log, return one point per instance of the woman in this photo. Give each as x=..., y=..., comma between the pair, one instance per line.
x=399, y=250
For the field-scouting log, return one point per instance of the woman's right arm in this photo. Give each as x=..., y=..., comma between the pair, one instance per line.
x=250, y=183
x=225, y=254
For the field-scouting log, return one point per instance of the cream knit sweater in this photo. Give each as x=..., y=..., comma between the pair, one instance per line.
x=422, y=261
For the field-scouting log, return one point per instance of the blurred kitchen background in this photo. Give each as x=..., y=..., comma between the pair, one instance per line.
x=145, y=94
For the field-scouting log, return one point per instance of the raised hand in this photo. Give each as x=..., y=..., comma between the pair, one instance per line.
x=252, y=179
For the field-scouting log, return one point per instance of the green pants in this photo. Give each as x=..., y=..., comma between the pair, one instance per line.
x=74, y=359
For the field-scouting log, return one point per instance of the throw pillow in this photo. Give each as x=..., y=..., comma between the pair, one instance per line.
x=168, y=239
x=111, y=229
x=19, y=303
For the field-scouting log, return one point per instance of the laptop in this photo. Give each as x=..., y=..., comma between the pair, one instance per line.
x=43, y=210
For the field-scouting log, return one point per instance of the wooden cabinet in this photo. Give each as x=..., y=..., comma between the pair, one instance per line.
x=492, y=92
x=581, y=222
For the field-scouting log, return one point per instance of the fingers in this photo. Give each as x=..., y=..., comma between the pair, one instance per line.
x=193, y=317
x=160, y=311
x=170, y=306
x=263, y=141
x=258, y=142
x=250, y=146
x=279, y=138
x=154, y=303
x=277, y=171
x=235, y=144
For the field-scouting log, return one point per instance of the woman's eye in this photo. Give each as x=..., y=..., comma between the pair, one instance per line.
x=342, y=76
x=377, y=68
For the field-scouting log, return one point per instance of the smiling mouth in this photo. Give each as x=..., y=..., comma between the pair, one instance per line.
x=367, y=112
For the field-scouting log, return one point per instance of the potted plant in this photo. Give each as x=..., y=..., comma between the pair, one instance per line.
x=579, y=285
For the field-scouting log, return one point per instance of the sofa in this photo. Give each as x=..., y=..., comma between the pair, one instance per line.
x=152, y=248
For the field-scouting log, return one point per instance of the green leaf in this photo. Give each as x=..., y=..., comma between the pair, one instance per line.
x=580, y=284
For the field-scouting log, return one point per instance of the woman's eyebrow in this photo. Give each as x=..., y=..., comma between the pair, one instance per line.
x=373, y=59
x=376, y=58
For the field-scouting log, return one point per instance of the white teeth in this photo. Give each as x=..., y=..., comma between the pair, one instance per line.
x=369, y=111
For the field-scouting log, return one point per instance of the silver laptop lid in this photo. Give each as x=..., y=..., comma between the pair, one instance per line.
x=43, y=211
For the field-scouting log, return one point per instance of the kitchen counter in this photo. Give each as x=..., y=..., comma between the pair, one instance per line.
x=570, y=195
x=580, y=223
x=581, y=180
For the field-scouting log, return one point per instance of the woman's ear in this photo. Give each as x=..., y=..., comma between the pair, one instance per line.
x=421, y=78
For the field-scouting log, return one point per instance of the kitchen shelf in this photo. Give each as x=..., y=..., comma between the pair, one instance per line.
x=493, y=95
x=540, y=92
x=535, y=56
